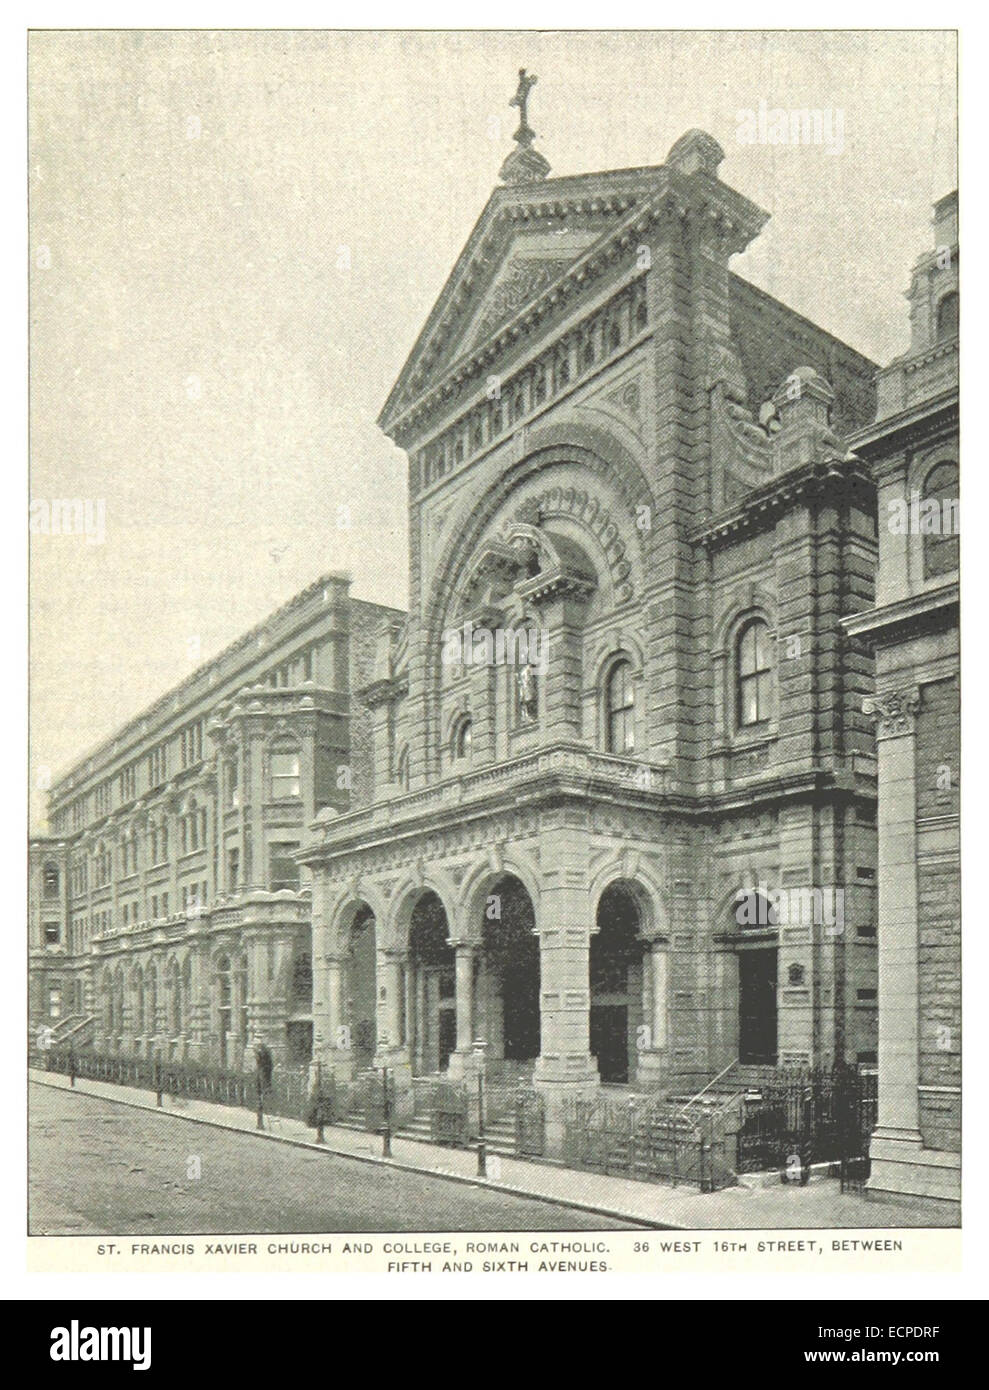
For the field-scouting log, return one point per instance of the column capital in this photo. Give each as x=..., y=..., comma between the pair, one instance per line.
x=894, y=711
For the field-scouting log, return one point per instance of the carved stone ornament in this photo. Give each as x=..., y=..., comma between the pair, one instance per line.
x=893, y=710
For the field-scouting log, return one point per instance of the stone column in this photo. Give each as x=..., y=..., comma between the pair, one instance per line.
x=897, y=1137
x=565, y=1068
x=391, y=1052
x=462, y=1061
x=653, y=1068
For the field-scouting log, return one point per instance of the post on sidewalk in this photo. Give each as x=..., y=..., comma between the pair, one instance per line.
x=260, y=1109
x=72, y=1067
x=159, y=1083
x=320, y=1137
x=386, y=1115
x=478, y=1047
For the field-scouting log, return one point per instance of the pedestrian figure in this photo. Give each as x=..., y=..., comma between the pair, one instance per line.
x=264, y=1066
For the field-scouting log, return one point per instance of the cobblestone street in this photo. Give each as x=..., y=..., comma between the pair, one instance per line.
x=99, y=1167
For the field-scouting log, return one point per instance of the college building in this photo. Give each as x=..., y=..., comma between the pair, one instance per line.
x=168, y=915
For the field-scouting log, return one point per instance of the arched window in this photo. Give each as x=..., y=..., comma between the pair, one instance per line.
x=462, y=740
x=403, y=769
x=939, y=520
x=947, y=317
x=620, y=709
x=285, y=775
x=51, y=880
x=755, y=674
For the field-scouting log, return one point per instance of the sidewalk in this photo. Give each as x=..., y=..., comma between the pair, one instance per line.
x=818, y=1206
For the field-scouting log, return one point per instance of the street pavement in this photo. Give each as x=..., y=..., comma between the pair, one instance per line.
x=101, y=1167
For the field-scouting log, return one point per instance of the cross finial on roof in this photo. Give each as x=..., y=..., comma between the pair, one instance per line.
x=524, y=135
x=524, y=164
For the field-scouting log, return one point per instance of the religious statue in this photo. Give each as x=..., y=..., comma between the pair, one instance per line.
x=528, y=694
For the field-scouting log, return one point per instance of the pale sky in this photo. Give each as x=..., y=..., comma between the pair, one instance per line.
x=235, y=240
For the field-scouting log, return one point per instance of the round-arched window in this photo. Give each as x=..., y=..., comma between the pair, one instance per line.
x=620, y=709
x=755, y=674
x=462, y=735
x=939, y=520
x=947, y=317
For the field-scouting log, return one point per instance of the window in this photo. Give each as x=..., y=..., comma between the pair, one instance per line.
x=102, y=799
x=939, y=520
x=947, y=317
x=403, y=769
x=620, y=709
x=285, y=779
x=192, y=744
x=51, y=877
x=233, y=795
x=754, y=674
x=128, y=783
x=283, y=870
x=462, y=740
x=233, y=869
x=52, y=933
x=157, y=765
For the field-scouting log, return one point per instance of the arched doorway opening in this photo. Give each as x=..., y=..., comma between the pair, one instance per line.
x=432, y=966
x=362, y=987
x=616, y=984
x=508, y=981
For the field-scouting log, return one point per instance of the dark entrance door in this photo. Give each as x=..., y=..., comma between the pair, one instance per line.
x=609, y=1041
x=757, y=1005
x=447, y=1035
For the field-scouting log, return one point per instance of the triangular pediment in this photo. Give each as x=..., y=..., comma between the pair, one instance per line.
x=525, y=240
x=533, y=261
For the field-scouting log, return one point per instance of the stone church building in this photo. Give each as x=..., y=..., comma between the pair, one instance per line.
x=623, y=826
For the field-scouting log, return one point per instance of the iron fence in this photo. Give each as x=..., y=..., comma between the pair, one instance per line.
x=808, y=1116
x=288, y=1095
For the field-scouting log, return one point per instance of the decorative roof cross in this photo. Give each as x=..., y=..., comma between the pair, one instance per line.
x=524, y=164
x=525, y=134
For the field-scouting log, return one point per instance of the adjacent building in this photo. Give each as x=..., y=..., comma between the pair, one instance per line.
x=168, y=915
x=912, y=450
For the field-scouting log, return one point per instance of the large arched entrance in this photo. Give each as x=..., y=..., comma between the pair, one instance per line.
x=432, y=965
x=362, y=987
x=508, y=980
x=616, y=984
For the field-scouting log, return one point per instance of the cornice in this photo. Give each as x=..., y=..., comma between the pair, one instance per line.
x=764, y=505
x=922, y=611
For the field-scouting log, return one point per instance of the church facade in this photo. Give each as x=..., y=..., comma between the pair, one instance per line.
x=623, y=827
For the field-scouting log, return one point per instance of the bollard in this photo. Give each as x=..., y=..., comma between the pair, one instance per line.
x=260, y=1114
x=320, y=1137
x=158, y=1084
x=72, y=1067
x=482, y=1148
x=386, y=1108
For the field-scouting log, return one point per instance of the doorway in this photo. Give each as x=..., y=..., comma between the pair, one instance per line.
x=757, y=1031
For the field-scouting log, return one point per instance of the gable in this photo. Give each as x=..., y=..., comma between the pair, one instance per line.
x=533, y=261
